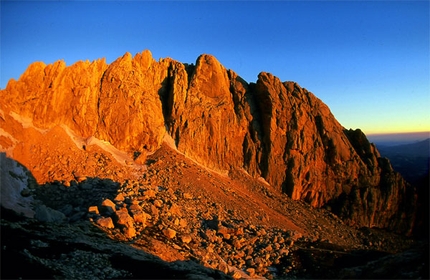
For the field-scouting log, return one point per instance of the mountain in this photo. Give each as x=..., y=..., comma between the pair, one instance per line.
x=396, y=139
x=275, y=130
x=411, y=160
x=187, y=222
x=147, y=149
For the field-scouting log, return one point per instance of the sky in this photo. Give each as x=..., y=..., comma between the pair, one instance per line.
x=367, y=60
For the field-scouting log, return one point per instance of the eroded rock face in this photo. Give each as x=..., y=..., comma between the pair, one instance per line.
x=118, y=103
x=273, y=129
x=204, y=123
x=129, y=107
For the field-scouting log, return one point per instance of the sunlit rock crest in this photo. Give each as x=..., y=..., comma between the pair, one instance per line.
x=273, y=129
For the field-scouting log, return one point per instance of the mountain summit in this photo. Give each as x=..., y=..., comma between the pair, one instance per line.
x=274, y=130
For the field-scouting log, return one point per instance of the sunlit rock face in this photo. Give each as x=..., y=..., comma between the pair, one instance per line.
x=203, y=119
x=271, y=129
x=118, y=103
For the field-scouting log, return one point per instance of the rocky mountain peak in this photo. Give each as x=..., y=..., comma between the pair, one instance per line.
x=275, y=130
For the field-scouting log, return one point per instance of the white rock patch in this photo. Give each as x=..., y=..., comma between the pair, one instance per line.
x=13, y=179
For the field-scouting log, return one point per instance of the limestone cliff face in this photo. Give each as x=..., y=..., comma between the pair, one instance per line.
x=203, y=120
x=118, y=103
x=273, y=129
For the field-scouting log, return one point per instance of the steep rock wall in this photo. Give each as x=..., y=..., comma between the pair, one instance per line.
x=118, y=103
x=275, y=130
x=204, y=123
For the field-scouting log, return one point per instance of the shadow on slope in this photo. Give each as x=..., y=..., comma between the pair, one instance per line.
x=71, y=246
x=66, y=244
x=412, y=161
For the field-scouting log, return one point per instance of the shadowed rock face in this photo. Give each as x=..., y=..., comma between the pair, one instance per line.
x=275, y=130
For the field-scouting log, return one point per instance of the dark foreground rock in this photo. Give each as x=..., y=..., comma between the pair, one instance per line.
x=328, y=261
x=81, y=251
x=180, y=220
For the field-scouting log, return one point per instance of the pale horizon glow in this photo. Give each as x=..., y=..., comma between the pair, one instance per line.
x=369, y=61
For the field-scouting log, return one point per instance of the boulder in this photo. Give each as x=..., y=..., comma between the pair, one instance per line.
x=93, y=209
x=169, y=233
x=49, y=215
x=138, y=214
x=108, y=207
x=122, y=218
x=105, y=222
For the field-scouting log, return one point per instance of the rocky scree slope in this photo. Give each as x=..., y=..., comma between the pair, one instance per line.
x=181, y=220
x=271, y=129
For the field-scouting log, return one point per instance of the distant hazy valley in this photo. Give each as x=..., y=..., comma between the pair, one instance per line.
x=409, y=157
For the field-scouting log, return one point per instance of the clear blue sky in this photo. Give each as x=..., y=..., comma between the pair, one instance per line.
x=368, y=61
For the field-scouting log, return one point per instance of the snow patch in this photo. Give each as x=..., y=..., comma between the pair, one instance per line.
x=26, y=122
x=13, y=139
x=170, y=141
x=7, y=135
x=78, y=140
x=262, y=180
x=120, y=156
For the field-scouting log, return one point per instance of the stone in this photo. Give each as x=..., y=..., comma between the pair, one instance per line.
x=226, y=236
x=261, y=232
x=175, y=210
x=187, y=195
x=105, y=222
x=237, y=244
x=108, y=207
x=66, y=209
x=26, y=192
x=158, y=203
x=138, y=214
x=119, y=197
x=49, y=215
x=129, y=231
x=154, y=210
x=183, y=223
x=83, y=186
x=186, y=238
x=223, y=230
x=149, y=194
x=122, y=218
x=93, y=209
x=223, y=267
x=250, y=262
x=250, y=271
x=236, y=273
x=239, y=231
x=169, y=233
